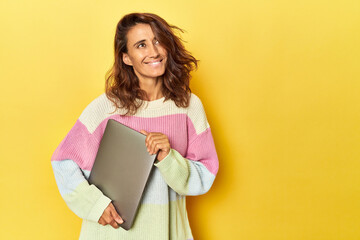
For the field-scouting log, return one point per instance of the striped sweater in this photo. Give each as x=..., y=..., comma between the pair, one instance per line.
x=189, y=168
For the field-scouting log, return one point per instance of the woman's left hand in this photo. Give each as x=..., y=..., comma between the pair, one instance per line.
x=157, y=141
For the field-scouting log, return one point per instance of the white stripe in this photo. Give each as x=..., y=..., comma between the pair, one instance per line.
x=101, y=108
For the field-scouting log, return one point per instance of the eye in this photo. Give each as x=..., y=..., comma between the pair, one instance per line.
x=157, y=41
x=141, y=45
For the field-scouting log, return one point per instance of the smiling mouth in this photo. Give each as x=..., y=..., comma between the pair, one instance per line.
x=155, y=62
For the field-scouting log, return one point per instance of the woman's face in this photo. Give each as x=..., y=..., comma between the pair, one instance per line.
x=145, y=53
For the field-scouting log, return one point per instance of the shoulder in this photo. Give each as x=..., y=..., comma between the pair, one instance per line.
x=197, y=115
x=96, y=111
x=195, y=101
x=98, y=105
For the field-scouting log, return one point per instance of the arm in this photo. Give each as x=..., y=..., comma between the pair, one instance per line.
x=195, y=173
x=72, y=162
x=85, y=200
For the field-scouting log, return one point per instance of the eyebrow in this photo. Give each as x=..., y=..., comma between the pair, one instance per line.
x=139, y=42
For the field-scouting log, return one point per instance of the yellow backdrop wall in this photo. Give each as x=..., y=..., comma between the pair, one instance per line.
x=280, y=84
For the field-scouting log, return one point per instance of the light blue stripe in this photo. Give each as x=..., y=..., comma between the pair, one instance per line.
x=68, y=175
x=157, y=191
x=86, y=173
x=200, y=180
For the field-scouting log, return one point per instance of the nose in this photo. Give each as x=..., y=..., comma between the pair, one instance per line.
x=153, y=51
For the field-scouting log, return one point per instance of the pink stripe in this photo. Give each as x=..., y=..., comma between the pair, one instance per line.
x=173, y=126
x=203, y=149
x=78, y=145
x=81, y=146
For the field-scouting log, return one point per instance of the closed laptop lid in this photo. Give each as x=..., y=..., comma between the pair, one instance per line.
x=121, y=169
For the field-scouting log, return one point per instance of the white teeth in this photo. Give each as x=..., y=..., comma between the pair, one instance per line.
x=153, y=63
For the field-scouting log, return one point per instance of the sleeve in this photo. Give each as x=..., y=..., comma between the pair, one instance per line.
x=72, y=162
x=85, y=200
x=194, y=173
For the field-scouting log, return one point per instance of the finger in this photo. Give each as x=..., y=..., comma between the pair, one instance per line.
x=164, y=147
x=115, y=215
x=152, y=147
x=156, y=139
x=144, y=132
x=114, y=224
x=102, y=221
x=148, y=141
x=162, y=144
x=157, y=147
x=107, y=216
x=151, y=135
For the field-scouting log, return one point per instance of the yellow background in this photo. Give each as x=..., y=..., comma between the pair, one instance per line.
x=280, y=83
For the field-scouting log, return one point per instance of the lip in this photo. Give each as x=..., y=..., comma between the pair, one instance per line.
x=154, y=62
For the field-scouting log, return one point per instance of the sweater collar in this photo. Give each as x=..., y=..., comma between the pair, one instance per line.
x=153, y=104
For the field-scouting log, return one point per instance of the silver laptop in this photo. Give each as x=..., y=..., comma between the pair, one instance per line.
x=121, y=169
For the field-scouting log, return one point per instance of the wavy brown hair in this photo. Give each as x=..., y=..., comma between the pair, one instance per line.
x=122, y=85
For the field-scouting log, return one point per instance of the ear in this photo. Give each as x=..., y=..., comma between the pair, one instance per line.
x=126, y=59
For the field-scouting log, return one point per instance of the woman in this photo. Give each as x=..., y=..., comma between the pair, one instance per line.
x=148, y=90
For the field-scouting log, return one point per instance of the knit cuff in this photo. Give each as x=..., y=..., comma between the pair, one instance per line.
x=166, y=162
x=98, y=208
x=175, y=170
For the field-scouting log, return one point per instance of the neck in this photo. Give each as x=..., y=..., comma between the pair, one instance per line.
x=153, y=88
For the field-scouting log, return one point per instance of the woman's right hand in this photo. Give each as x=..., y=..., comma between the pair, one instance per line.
x=110, y=216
